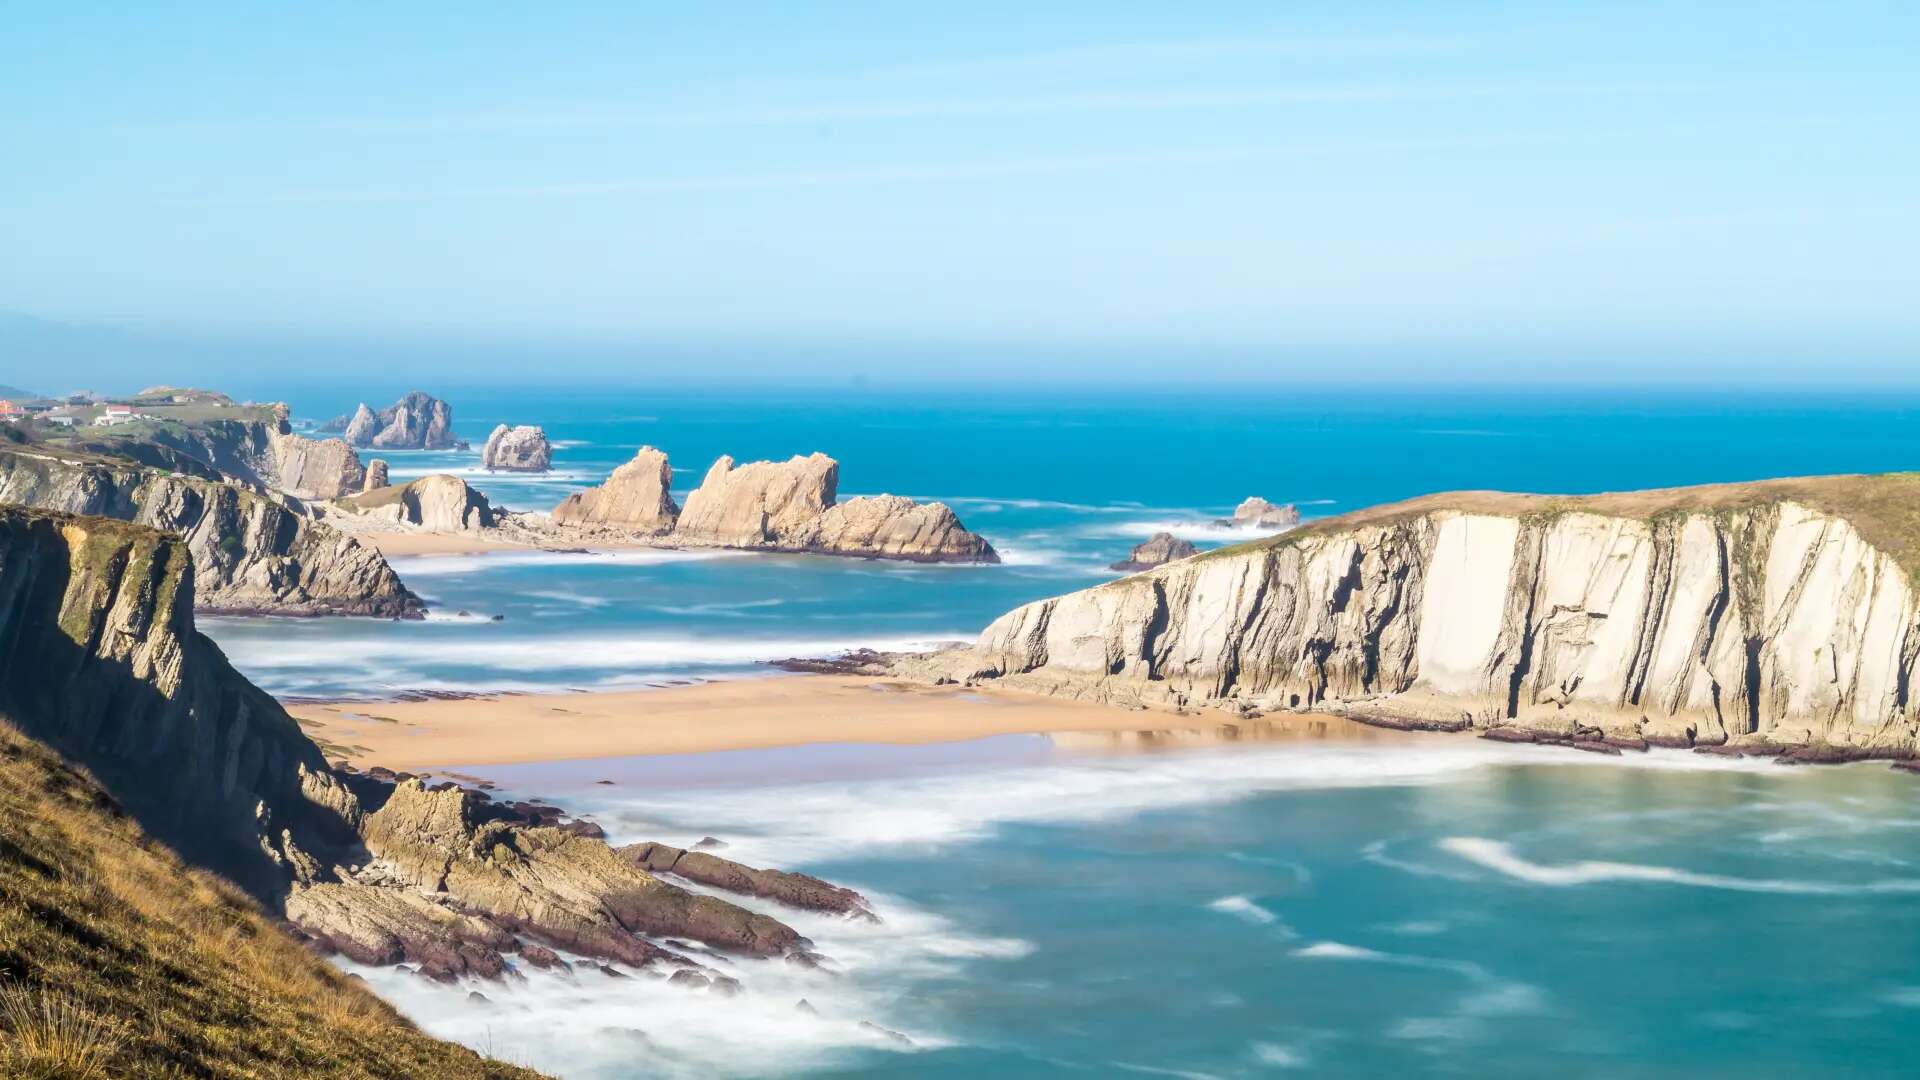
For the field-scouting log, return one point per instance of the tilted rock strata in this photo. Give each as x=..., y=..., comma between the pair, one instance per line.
x=440, y=503
x=759, y=504
x=416, y=422
x=1704, y=616
x=517, y=449
x=316, y=468
x=637, y=496
x=891, y=527
x=1161, y=548
x=793, y=890
x=252, y=552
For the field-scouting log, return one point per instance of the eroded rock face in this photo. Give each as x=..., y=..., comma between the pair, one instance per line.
x=793, y=890
x=1764, y=622
x=416, y=422
x=1258, y=513
x=252, y=552
x=790, y=506
x=316, y=468
x=637, y=496
x=517, y=449
x=438, y=502
x=376, y=475
x=759, y=504
x=1161, y=548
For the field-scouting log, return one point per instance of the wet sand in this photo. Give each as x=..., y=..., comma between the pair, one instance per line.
x=757, y=713
x=436, y=543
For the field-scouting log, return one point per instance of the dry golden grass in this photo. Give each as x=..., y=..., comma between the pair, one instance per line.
x=116, y=960
x=1883, y=507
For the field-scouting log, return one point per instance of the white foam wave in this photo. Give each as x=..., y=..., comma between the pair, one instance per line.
x=1276, y=1056
x=1185, y=529
x=1500, y=857
x=589, y=1026
x=508, y=559
x=1242, y=907
x=520, y=653
x=737, y=609
x=438, y=616
x=1338, y=951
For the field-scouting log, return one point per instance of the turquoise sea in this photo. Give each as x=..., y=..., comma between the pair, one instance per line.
x=1321, y=909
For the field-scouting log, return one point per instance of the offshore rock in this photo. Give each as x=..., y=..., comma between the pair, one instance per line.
x=638, y=496
x=517, y=449
x=892, y=527
x=253, y=552
x=376, y=475
x=417, y=421
x=1258, y=513
x=1161, y=548
x=1772, y=614
x=793, y=890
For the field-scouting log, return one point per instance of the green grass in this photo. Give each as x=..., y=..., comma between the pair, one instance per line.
x=117, y=960
x=1883, y=507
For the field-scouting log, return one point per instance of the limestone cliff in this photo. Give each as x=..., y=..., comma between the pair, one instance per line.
x=439, y=502
x=315, y=468
x=99, y=658
x=517, y=449
x=253, y=552
x=638, y=496
x=1780, y=613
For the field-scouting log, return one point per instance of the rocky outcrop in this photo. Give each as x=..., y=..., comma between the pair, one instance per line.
x=793, y=890
x=759, y=504
x=439, y=502
x=253, y=552
x=1773, y=614
x=316, y=468
x=790, y=506
x=99, y=657
x=415, y=422
x=891, y=527
x=376, y=475
x=517, y=449
x=1161, y=548
x=1258, y=513
x=638, y=496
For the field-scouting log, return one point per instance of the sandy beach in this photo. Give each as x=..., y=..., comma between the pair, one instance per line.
x=436, y=543
x=785, y=710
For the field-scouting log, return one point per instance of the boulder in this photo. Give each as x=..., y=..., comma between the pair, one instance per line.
x=1258, y=513
x=759, y=504
x=517, y=449
x=376, y=475
x=1160, y=549
x=637, y=496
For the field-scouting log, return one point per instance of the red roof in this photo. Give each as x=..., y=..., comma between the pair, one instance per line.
x=8, y=408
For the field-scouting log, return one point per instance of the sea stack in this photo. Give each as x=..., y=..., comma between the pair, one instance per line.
x=1258, y=513
x=638, y=496
x=517, y=449
x=417, y=421
x=1160, y=549
x=376, y=474
x=439, y=502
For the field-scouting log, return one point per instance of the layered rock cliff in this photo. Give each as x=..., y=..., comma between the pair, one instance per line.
x=638, y=496
x=1780, y=613
x=773, y=506
x=315, y=468
x=517, y=449
x=253, y=552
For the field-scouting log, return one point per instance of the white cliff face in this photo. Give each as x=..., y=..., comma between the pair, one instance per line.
x=439, y=503
x=1770, y=623
x=760, y=503
x=316, y=468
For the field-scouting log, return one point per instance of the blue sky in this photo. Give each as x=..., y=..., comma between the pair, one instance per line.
x=1213, y=191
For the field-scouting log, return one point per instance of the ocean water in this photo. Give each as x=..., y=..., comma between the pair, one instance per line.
x=1437, y=907
x=1062, y=484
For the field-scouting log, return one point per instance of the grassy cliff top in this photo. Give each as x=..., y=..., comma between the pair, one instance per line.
x=116, y=959
x=1883, y=507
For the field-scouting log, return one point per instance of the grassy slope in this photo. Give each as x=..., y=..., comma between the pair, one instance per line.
x=118, y=960
x=1883, y=507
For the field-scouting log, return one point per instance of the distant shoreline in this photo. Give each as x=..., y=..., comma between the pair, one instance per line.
x=759, y=713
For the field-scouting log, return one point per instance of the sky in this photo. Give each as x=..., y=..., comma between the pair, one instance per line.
x=1067, y=191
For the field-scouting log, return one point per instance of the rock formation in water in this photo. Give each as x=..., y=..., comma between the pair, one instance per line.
x=517, y=449
x=439, y=502
x=638, y=496
x=253, y=552
x=416, y=422
x=102, y=661
x=376, y=475
x=1257, y=513
x=1161, y=548
x=1771, y=614
x=790, y=506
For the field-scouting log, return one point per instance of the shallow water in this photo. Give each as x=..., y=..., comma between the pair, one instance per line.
x=1438, y=906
